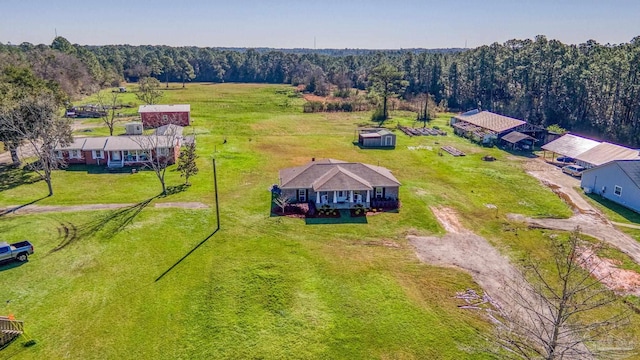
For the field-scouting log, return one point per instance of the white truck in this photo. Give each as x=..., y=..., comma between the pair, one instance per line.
x=19, y=251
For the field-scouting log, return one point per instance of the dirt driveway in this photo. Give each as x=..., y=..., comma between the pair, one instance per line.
x=462, y=249
x=590, y=221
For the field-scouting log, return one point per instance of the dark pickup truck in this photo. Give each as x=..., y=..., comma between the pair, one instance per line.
x=19, y=251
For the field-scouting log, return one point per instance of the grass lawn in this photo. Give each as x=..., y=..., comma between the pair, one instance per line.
x=261, y=287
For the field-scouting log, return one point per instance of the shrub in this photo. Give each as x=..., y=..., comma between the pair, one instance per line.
x=378, y=115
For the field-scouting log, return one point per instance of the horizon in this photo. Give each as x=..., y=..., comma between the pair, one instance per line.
x=286, y=24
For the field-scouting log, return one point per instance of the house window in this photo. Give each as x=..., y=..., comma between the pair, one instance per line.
x=98, y=154
x=302, y=195
x=163, y=151
x=74, y=154
x=58, y=154
x=617, y=190
x=165, y=118
x=379, y=193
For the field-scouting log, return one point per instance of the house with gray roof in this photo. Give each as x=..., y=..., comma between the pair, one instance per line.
x=618, y=181
x=340, y=185
x=124, y=150
x=376, y=138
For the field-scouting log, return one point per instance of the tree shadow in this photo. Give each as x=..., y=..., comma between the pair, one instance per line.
x=107, y=226
x=14, y=176
x=10, y=210
x=172, y=190
x=187, y=254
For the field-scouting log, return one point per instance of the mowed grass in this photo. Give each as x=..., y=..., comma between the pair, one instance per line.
x=262, y=286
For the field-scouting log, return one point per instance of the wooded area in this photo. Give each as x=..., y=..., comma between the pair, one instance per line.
x=592, y=89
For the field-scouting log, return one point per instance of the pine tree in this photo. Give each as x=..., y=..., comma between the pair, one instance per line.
x=187, y=162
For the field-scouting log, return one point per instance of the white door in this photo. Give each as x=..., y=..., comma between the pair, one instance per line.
x=115, y=156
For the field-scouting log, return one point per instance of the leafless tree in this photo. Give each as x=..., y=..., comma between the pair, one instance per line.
x=561, y=311
x=34, y=120
x=282, y=201
x=109, y=104
x=162, y=146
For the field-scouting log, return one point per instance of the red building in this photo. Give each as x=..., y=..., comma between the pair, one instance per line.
x=157, y=115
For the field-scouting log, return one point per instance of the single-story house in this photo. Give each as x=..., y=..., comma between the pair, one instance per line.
x=618, y=181
x=340, y=185
x=488, y=127
x=119, y=151
x=157, y=115
x=376, y=138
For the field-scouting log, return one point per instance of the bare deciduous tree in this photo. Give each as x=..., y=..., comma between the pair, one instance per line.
x=282, y=201
x=109, y=104
x=562, y=311
x=34, y=120
x=162, y=146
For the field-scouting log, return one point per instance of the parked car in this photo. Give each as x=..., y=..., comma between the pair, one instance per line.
x=573, y=170
x=565, y=159
x=19, y=251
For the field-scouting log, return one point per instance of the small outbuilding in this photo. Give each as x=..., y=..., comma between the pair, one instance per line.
x=376, y=138
x=157, y=115
x=618, y=181
x=518, y=141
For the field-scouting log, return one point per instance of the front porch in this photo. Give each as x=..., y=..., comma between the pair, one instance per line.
x=343, y=199
x=121, y=158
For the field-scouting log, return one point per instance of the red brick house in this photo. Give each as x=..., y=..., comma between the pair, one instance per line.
x=157, y=115
x=126, y=150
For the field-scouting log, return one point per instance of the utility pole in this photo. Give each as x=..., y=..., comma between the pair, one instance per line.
x=215, y=184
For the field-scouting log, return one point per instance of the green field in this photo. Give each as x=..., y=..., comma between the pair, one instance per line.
x=261, y=287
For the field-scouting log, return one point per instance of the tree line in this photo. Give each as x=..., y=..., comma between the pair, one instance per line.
x=588, y=88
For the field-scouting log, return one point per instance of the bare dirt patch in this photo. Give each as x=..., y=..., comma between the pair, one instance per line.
x=620, y=281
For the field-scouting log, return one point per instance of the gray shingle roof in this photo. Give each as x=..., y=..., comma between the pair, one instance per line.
x=632, y=169
x=76, y=144
x=95, y=143
x=330, y=175
x=491, y=121
x=140, y=142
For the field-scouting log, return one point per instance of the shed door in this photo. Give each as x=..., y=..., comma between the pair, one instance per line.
x=388, y=140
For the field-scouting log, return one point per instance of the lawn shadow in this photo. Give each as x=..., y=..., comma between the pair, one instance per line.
x=627, y=214
x=16, y=208
x=11, y=265
x=172, y=190
x=14, y=176
x=362, y=147
x=526, y=154
x=345, y=218
x=187, y=254
x=107, y=226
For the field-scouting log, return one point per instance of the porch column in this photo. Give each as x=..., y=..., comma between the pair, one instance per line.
x=368, y=196
x=318, y=197
x=351, y=196
x=335, y=197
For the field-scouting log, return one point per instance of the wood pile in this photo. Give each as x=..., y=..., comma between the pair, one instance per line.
x=453, y=151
